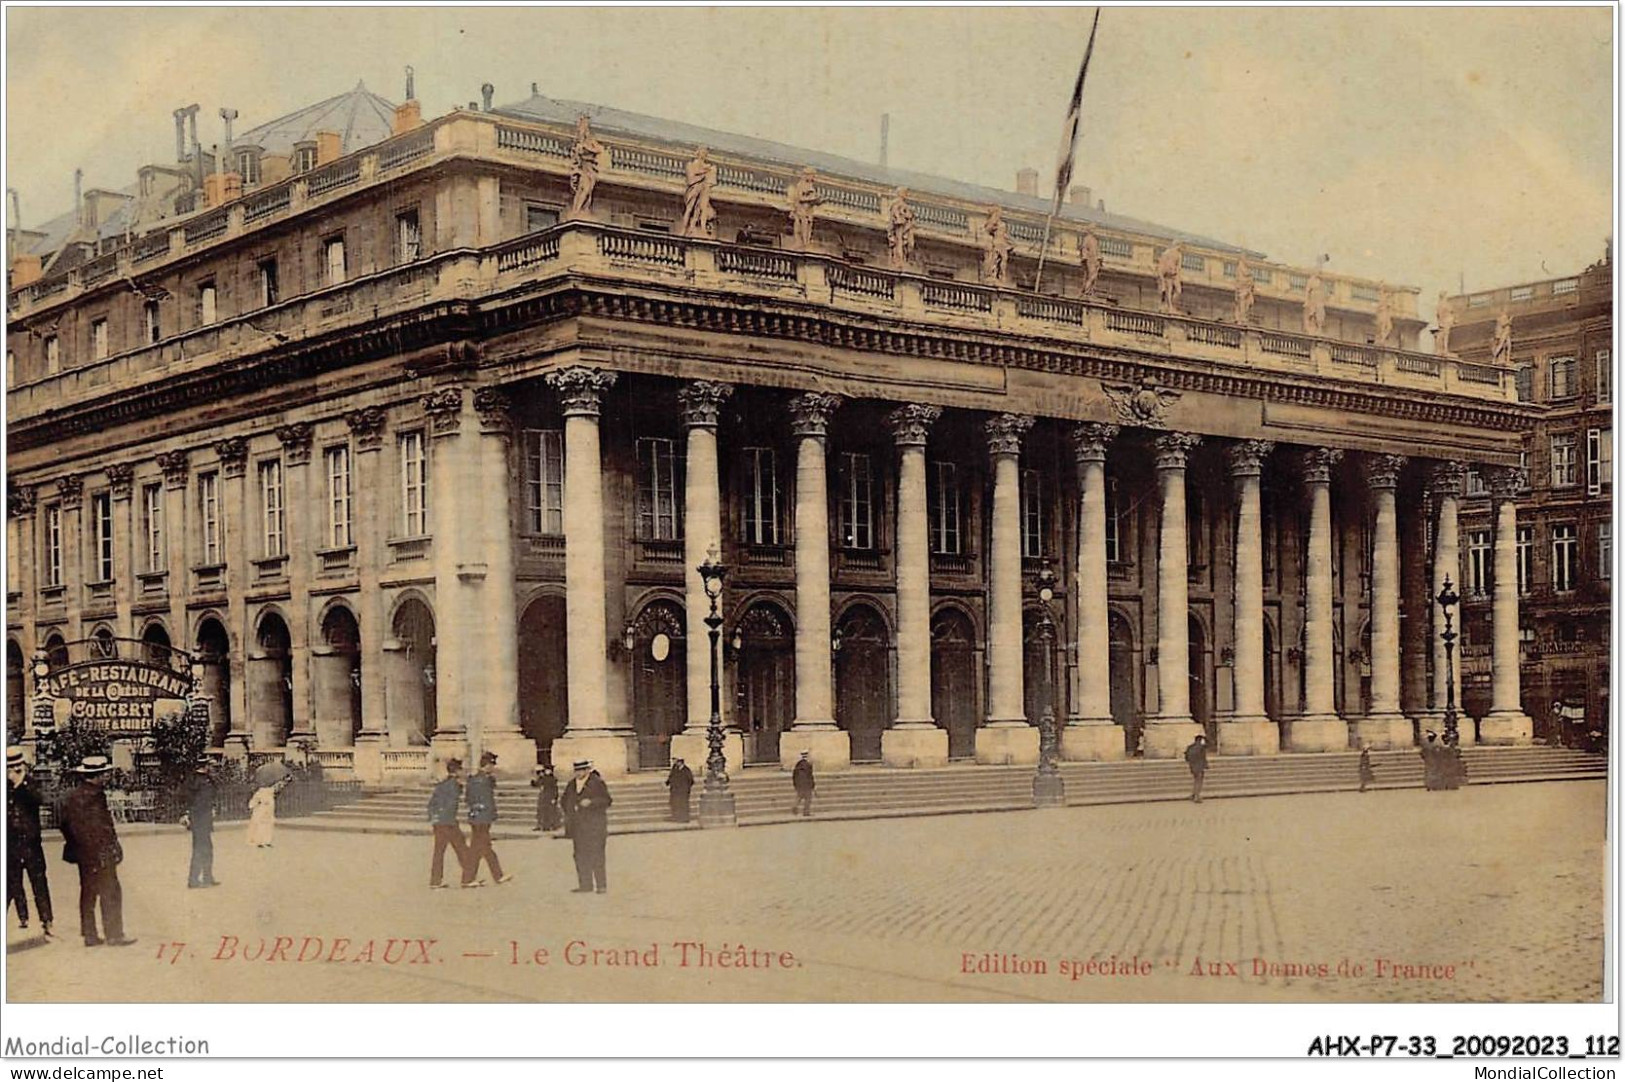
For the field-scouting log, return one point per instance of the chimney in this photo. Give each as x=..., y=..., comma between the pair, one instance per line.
x=16, y=209
x=329, y=147
x=411, y=91
x=24, y=269
x=408, y=115
x=1101, y=206
x=228, y=115
x=885, y=136
x=487, y=92
x=533, y=90
x=79, y=196
x=1081, y=195
x=1027, y=182
x=180, y=135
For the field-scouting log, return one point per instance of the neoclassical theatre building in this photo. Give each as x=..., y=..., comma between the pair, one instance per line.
x=415, y=432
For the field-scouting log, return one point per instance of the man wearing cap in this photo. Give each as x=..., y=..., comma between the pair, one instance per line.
x=199, y=819
x=1196, y=759
x=586, y=818
x=802, y=778
x=91, y=842
x=443, y=820
x=24, y=853
x=481, y=795
x=680, y=781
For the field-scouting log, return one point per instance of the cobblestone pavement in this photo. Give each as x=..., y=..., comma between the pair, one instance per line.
x=1487, y=894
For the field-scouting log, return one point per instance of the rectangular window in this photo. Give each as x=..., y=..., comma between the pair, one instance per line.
x=1562, y=376
x=659, y=518
x=208, y=506
x=151, y=328
x=270, y=286
x=207, y=312
x=1032, y=513
x=1565, y=551
x=408, y=237
x=1599, y=458
x=152, y=526
x=1526, y=558
x=1605, y=550
x=338, y=497
x=101, y=524
x=304, y=158
x=761, y=497
x=1567, y=285
x=857, y=518
x=1524, y=377
x=1478, y=300
x=98, y=339
x=1114, y=523
x=53, y=545
x=248, y=167
x=539, y=218
x=333, y=261
x=1523, y=293
x=544, y=481
x=53, y=355
x=1192, y=262
x=944, y=509
x=414, y=485
x=1605, y=376
x=1478, y=562
x=1563, y=460
x=272, y=518
x=1475, y=483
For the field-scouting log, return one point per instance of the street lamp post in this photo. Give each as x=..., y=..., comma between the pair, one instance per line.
x=1049, y=789
x=1448, y=599
x=716, y=802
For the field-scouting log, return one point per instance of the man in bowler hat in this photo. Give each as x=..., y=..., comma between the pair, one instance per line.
x=481, y=795
x=91, y=842
x=680, y=781
x=199, y=819
x=586, y=816
x=25, y=855
x=443, y=821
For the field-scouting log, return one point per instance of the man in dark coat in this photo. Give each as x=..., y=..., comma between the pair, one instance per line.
x=680, y=781
x=443, y=821
x=481, y=795
x=1367, y=775
x=25, y=855
x=586, y=818
x=199, y=819
x=547, y=798
x=1196, y=759
x=802, y=778
x=91, y=842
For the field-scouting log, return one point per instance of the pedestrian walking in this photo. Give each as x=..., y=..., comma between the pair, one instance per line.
x=262, y=813
x=1196, y=759
x=91, y=842
x=1430, y=761
x=199, y=819
x=1367, y=775
x=443, y=822
x=481, y=797
x=25, y=853
x=586, y=819
x=680, y=781
x=547, y=798
x=802, y=778
x=1452, y=767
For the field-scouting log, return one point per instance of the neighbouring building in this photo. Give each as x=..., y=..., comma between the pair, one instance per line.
x=416, y=440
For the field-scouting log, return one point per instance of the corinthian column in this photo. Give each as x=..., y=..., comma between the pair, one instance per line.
x=493, y=644
x=702, y=534
x=915, y=739
x=1172, y=728
x=1318, y=728
x=590, y=735
x=1445, y=488
x=1385, y=726
x=1249, y=730
x=1091, y=733
x=815, y=730
x=1007, y=737
x=1506, y=723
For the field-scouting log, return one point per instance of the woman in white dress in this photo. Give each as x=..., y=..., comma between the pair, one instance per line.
x=262, y=815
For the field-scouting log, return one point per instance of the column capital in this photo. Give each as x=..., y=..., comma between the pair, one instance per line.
x=495, y=407
x=810, y=413
x=910, y=423
x=295, y=440
x=233, y=453
x=1004, y=433
x=1315, y=464
x=119, y=475
x=19, y=499
x=367, y=426
x=70, y=489
x=1505, y=482
x=702, y=402
x=444, y=408
x=1382, y=471
x=580, y=389
x=174, y=465
x=1446, y=478
x=1173, y=447
x=1246, y=457
x=1089, y=441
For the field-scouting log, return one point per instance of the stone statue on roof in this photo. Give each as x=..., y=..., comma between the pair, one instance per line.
x=803, y=196
x=1501, y=347
x=1385, y=314
x=1314, y=305
x=1246, y=291
x=996, y=248
x=586, y=161
x=699, y=217
x=1445, y=315
x=1170, y=283
x=900, y=230
x=1089, y=249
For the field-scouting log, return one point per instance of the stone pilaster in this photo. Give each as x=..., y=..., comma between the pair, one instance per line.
x=235, y=520
x=449, y=476
x=298, y=519
x=1506, y=723
x=22, y=507
x=914, y=740
x=1318, y=728
x=1170, y=730
x=120, y=482
x=814, y=729
x=486, y=592
x=1091, y=734
x=70, y=493
x=367, y=511
x=1007, y=737
x=1445, y=488
x=1248, y=730
x=1385, y=726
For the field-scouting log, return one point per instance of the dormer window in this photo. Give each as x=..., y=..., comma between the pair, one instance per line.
x=304, y=157
x=248, y=164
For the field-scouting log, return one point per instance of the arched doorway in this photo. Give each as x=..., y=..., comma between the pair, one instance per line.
x=766, y=694
x=1201, y=687
x=544, y=705
x=16, y=692
x=863, y=703
x=954, y=685
x=270, y=684
x=1125, y=702
x=1038, y=667
x=1272, y=676
x=214, y=651
x=56, y=650
x=410, y=680
x=659, y=681
x=335, y=673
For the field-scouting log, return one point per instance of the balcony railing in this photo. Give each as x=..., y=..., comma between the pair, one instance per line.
x=943, y=295
x=756, y=263
x=865, y=283
x=642, y=247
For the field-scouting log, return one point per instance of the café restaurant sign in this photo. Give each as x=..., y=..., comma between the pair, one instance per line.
x=119, y=696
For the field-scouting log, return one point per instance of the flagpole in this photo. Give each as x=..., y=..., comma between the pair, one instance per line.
x=1063, y=173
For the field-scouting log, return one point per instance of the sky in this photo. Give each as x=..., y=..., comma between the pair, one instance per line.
x=1429, y=147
